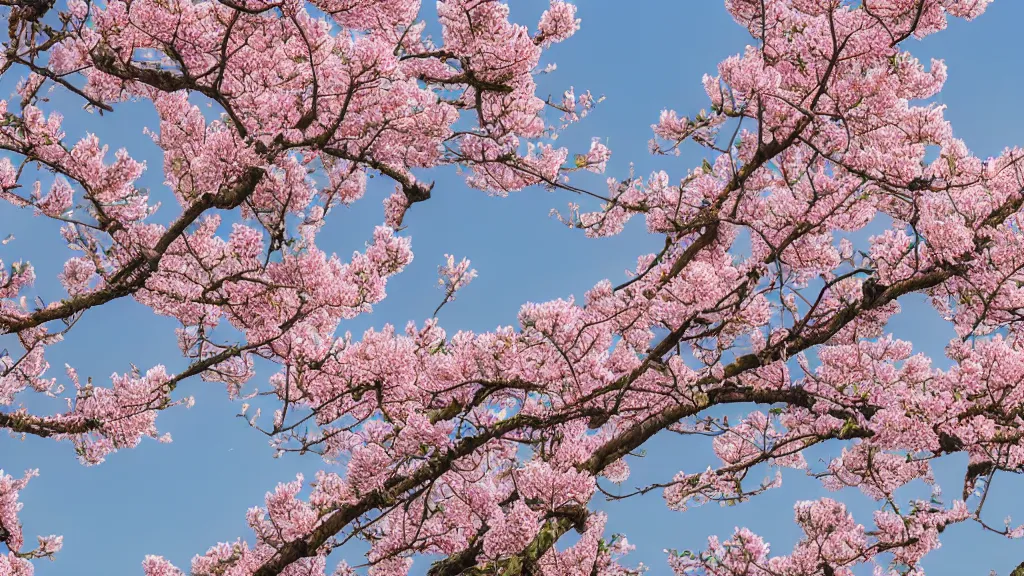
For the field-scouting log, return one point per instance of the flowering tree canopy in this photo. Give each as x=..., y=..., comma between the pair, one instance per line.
x=483, y=450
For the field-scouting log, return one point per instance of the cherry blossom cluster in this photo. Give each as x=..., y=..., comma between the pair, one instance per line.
x=765, y=299
x=17, y=560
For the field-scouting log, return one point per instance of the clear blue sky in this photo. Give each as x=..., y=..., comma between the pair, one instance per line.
x=176, y=500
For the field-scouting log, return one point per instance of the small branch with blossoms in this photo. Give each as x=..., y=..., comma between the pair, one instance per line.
x=453, y=277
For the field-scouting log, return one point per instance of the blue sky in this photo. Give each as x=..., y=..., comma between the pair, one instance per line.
x=176, y=500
